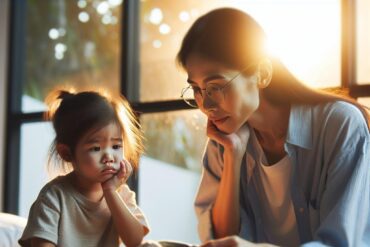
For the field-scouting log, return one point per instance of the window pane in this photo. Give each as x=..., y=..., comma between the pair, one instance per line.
x=176, y=138
x=70, y=43
x=33, y=158
x=309, y=46
x=363, y=41
x=170, y=172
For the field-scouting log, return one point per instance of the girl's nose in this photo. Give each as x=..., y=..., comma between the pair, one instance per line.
x=107, y=158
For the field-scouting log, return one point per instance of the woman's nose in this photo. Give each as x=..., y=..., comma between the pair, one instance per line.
x=207, y=103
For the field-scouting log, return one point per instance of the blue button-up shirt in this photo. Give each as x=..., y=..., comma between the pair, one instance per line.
x=329, y=146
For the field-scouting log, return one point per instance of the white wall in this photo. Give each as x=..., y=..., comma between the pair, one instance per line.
x=4, y=15
x=166, y=196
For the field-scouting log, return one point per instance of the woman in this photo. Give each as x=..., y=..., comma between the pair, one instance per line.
x=285, y=164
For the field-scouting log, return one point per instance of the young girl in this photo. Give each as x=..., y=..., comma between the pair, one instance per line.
x=98, y=138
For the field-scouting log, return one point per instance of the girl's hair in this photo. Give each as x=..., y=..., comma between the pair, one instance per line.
x=235, y=39
x=74, y=114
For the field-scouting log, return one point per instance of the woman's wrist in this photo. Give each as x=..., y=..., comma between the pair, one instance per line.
x=234, y=155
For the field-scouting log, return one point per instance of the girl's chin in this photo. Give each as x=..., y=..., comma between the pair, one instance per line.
x=106, y=177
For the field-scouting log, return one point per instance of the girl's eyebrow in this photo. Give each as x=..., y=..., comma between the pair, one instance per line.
x=97, y=139
x=207, y=79
x=93, y=140
x=118, y=139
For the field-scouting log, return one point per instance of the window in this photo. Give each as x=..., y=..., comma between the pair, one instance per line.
x=131, y=46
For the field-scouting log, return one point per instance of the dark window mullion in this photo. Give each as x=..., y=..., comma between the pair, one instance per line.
x=130, y=44
x=13, y=109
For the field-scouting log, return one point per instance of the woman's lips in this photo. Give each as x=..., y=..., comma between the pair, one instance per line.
x=219, y=120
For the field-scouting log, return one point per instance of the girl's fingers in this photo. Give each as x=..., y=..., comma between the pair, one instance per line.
x=121, y=172
x=126, y=170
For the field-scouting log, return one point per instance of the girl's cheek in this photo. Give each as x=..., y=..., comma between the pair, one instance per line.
x=119, y=154
x=91, y=158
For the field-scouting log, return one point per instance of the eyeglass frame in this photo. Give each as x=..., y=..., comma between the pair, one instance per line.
x=222, y=88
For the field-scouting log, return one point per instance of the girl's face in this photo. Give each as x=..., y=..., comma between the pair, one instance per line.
x=241, y=97
x=98, y=153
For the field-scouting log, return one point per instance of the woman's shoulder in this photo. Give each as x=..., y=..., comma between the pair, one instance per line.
x=343, y=110
x=338, y=118
x=338, y=113
x=341, y=113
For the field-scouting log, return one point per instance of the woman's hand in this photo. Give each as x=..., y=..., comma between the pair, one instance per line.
x=234, y=143
x=226, y=208
x=119, y=178
x=233, y=241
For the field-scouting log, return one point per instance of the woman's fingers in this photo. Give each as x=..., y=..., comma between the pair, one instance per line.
x=215, y=134
x=228, y=241
x=232, y=241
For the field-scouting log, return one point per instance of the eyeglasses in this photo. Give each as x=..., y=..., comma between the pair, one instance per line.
x=193, y=95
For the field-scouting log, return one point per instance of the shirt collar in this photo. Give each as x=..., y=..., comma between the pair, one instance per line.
x=300, y=132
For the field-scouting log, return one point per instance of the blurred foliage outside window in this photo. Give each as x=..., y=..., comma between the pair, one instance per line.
x=70, y=42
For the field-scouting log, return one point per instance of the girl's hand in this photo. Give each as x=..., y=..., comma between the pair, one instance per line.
x=234, y=144
x=119, y=178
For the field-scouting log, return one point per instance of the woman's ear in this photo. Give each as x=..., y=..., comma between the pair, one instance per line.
x=264, y=73
x=64, y=152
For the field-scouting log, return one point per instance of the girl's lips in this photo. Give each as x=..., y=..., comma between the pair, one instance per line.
x=109, y=171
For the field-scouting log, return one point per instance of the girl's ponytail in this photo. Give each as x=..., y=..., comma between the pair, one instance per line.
x=54, y=99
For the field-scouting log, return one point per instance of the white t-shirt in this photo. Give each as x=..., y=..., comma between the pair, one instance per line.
x=278, y=216
x=65, y=217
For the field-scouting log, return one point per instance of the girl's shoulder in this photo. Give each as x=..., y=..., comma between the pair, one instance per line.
x=54, y=188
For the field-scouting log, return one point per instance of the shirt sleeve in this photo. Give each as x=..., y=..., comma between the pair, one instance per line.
x=344, y=218
x=43, y=220
x=207, y=191
x=128, y=197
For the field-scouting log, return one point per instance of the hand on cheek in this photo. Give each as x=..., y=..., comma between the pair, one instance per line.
x=119, y=178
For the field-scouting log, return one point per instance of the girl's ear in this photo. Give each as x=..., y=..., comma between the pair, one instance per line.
x=264, y=73
x=64, y=152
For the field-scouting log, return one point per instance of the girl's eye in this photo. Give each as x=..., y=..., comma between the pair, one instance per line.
x=94, y=149
x=117, y=146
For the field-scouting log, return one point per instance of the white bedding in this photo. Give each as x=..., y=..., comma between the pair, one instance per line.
x=11, y=229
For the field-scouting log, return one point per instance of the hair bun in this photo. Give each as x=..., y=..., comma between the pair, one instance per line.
x=65, y=95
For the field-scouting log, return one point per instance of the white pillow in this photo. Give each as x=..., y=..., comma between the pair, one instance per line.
x=11, y=229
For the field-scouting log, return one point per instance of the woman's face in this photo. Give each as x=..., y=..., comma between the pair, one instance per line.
x=240, y=98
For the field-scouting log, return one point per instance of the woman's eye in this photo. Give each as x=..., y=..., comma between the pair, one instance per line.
x=196, y=90
x=94, y=149
x=117, y=146
x=213, y=88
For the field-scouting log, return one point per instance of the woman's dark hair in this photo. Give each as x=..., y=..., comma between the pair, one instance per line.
x=233, y=38
x=74, y=114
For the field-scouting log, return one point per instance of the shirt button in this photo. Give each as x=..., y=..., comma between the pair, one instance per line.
x=301, y=210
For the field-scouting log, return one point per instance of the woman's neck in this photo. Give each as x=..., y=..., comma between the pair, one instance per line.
x=271, y=125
